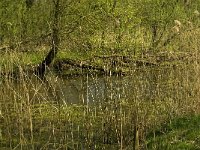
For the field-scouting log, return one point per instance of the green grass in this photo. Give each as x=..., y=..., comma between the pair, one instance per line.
x=63, y=54
x=180, y=134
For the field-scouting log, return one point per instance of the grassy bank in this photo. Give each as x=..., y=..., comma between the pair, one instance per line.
x=71, y=63
x=50, y=126
x=179, y=133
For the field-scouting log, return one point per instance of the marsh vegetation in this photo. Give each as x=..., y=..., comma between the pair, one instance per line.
x=99, y=74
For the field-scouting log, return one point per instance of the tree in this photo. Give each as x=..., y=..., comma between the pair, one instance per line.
x=40, y=70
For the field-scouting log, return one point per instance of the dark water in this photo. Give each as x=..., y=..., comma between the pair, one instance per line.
x=144, y=84
x=25, y=101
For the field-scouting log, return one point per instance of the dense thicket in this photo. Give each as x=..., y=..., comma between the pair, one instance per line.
x=108, y=26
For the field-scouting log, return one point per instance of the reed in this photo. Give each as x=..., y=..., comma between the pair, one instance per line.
x=34, y=114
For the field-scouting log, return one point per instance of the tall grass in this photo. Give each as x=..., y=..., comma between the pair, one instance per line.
x=34, y=114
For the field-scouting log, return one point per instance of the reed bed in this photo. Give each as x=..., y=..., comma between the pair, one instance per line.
x=34, y=114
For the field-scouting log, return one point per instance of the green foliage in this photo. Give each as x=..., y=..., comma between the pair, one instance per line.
x=87, y=28
x=18, y=23
x=107, y=26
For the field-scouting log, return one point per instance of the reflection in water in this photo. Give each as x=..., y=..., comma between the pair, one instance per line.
x=147, y=84
x=27, y=109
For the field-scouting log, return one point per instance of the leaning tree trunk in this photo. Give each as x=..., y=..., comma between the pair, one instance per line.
x=40, y=70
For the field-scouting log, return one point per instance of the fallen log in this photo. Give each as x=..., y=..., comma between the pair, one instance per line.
x=60, y=65
x=79, y=64
x=121, y=60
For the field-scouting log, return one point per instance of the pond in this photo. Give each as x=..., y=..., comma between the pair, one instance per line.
x=144, y=84
x=94, y=111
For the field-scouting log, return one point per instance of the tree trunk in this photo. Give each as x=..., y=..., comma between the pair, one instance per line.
x=40, y=70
